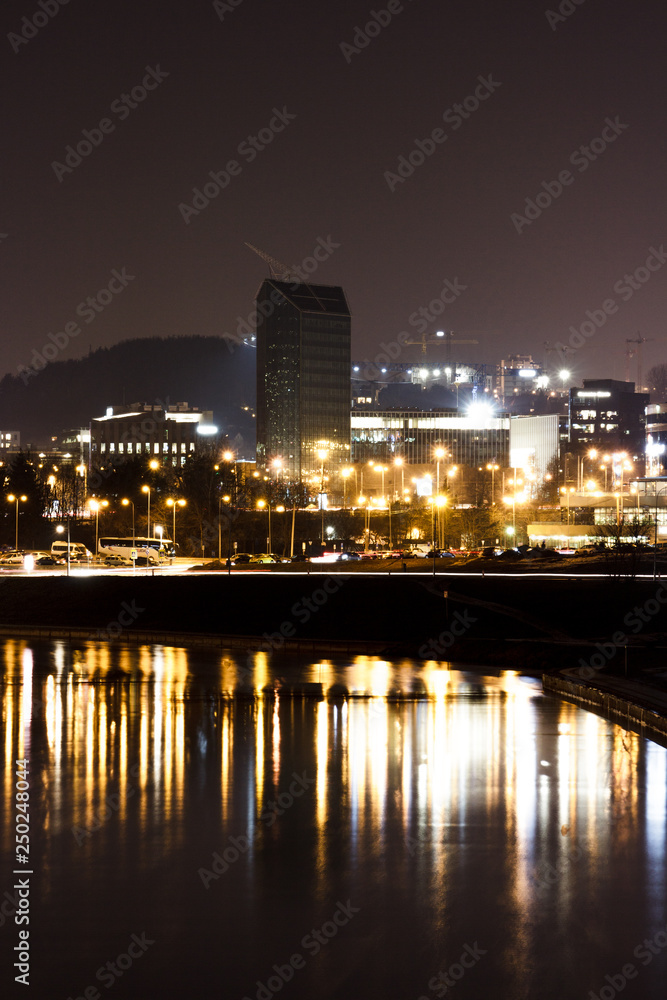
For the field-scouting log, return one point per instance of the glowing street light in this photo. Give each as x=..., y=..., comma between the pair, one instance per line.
x=174, y=504
x=261, y=504
x=14, y=499
x=439, y=454
x=125, y=502
x=147, y=490
x=95, y=505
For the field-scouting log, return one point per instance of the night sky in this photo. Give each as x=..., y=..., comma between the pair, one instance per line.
x=340, y=109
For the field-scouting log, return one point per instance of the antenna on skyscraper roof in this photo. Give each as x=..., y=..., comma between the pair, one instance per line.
x=279, y=271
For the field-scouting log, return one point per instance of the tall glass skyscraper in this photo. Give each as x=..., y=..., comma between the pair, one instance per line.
x=303, y=377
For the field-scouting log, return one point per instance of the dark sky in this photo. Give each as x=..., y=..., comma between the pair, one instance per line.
x=322, y=179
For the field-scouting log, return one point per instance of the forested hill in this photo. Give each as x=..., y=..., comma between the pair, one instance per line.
x=206, y=372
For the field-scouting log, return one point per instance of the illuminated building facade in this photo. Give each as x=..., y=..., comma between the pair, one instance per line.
x=169, y=434
x=609, y=415
x=303, y=377
x=472, y=439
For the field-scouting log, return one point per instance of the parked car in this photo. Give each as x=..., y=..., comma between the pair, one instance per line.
x=114, y=560
x=263, y=557
x=241, y=559
x=14, y=558
x=45, y=559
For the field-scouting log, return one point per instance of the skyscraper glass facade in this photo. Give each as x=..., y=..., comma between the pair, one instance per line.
x=303, y=377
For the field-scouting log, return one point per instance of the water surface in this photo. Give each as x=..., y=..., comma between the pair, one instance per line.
x=193, y=834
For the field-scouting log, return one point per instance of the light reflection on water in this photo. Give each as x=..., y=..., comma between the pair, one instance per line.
x=450, y=807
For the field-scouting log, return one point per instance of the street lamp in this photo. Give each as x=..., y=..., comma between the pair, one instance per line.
x=11, y=498
x=261, y=504
x=95, y=505
x=493, y=468
x=520, y=498
x=60, y=529
x=174, y=504
x=365, y=503
x=321, y=454
x=221, y=500
x=567, y=490
x=345, y=473
x=147, y=490
x=439, y=453
x=398, y=463
x=125, y=502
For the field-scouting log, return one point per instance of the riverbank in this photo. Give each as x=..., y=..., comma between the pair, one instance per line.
x=517, y=623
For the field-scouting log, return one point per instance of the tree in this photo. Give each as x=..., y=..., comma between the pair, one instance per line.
x=656, y=380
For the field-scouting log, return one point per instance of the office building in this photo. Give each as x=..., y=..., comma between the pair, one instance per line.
x=472, y=439
x=303, y=378
x=608, y=415
x=168, y=433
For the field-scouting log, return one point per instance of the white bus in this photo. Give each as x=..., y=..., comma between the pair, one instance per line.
x=150, y=551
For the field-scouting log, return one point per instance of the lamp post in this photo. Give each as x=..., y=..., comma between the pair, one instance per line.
x=95, y=505
x=125, y=502
x=60, y=529
x=261, y=504
x=321, y=454
x=174, y=504
x=567, y=490
x=364, y=502
x=147, y=490
x=520, y=498
x=398, y=463
x=345, y=473
x=493, y=468
x=14, y=499
x=439, y=453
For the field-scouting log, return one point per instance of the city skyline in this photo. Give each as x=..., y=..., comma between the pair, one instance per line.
x=493, y=173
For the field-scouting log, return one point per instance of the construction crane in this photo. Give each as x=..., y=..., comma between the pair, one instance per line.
x=284, y=272
x=630, y=353
x=447, y=336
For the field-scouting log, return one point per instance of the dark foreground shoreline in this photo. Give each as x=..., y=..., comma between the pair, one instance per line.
x=524, y=624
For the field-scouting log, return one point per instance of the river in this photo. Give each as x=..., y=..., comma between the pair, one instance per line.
x=418, y=832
